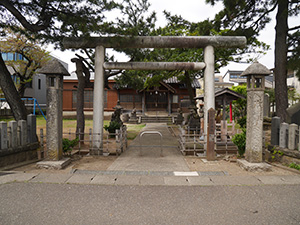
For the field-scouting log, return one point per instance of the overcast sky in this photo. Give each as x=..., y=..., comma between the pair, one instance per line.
x=195, y=11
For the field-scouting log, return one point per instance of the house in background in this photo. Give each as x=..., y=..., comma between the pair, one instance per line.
x=37, y=87
x=293, y=81
x=167, y=98
x=234, y=77
x=219, y=84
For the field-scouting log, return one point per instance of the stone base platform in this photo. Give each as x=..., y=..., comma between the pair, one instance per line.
x=56, y=165
x=253, y=167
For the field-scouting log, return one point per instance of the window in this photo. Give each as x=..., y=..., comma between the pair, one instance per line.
x=88, y=99
x=185, y=103
x=18, y=56
x=11, y=56
x=52, y=81
x=138, y=98
x=175, y=99
x=4, y=56
x=39, y=84
x=126, y=98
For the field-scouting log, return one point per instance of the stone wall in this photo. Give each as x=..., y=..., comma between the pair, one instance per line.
x=285, y=142
x=18, y=141
x=285, y=156
x=18, y=154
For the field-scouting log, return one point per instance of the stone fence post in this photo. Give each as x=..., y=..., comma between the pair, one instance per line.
x=31, y=123
x=293, y=136
x=3, y=135
x=13, y=134
x=284, y=135
x=275, y=130
x=22, y=124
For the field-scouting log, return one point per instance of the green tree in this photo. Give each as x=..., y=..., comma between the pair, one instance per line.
x=135, y=20
x=34, y=57
x=178, y=26
x=49, y=22
x=250, y=17
x=293, y=96
x=239, y=106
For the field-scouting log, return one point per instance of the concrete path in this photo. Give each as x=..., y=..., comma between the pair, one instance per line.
x=147, y=157
x=138, y=178
x=146, y=167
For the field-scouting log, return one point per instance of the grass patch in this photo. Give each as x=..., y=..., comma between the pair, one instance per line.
x=133, y=130
x=295, y=166
x=70, y=125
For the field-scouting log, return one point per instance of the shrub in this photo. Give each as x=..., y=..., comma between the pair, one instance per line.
x=242, y=122
x=68, y=145
x=240, y=141
x=113, y=126
x=295, y=166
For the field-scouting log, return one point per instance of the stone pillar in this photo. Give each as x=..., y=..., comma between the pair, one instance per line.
x=3, y=135
x=143, y=103
x=209, y=83
x=275, y=130
x=98, y=112
x=284, y=135
x=22, y=124
x=254, y=134
x=266, y=105
x=13, y=139
x=293, y=136
x=54, y=117
x=224, y=130
x=210, y=150
x=31, y=123
x=255, y=74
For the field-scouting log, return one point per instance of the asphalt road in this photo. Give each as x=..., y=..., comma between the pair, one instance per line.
x=41, y=203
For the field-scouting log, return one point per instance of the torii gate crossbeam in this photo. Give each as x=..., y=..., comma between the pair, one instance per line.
x=100, y=43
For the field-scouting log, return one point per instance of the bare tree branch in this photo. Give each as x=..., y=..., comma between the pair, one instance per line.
x=294, y=28
x=31, y=27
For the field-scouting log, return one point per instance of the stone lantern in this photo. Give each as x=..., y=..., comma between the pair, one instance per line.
x=54, y=72
x=255, y=104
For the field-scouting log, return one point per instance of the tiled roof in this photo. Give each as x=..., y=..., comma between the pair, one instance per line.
x=174, y=80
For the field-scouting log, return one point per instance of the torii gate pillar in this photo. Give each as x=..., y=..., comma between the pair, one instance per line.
x=98, y=112
x=209, y=83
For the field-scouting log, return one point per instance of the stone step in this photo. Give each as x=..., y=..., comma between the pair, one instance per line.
x=162, y=119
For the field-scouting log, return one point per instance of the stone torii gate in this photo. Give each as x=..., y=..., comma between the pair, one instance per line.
x=208, y=43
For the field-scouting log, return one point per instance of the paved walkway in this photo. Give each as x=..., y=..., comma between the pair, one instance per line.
x=158, y=179
x=148, y=157
x=145, y=166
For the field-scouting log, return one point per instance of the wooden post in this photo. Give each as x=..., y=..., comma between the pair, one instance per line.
x=230, y=109
x=224, y=108
x=210, y=149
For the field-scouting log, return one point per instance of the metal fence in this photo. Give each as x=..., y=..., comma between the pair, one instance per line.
x=112, y=143
x=194, y=141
